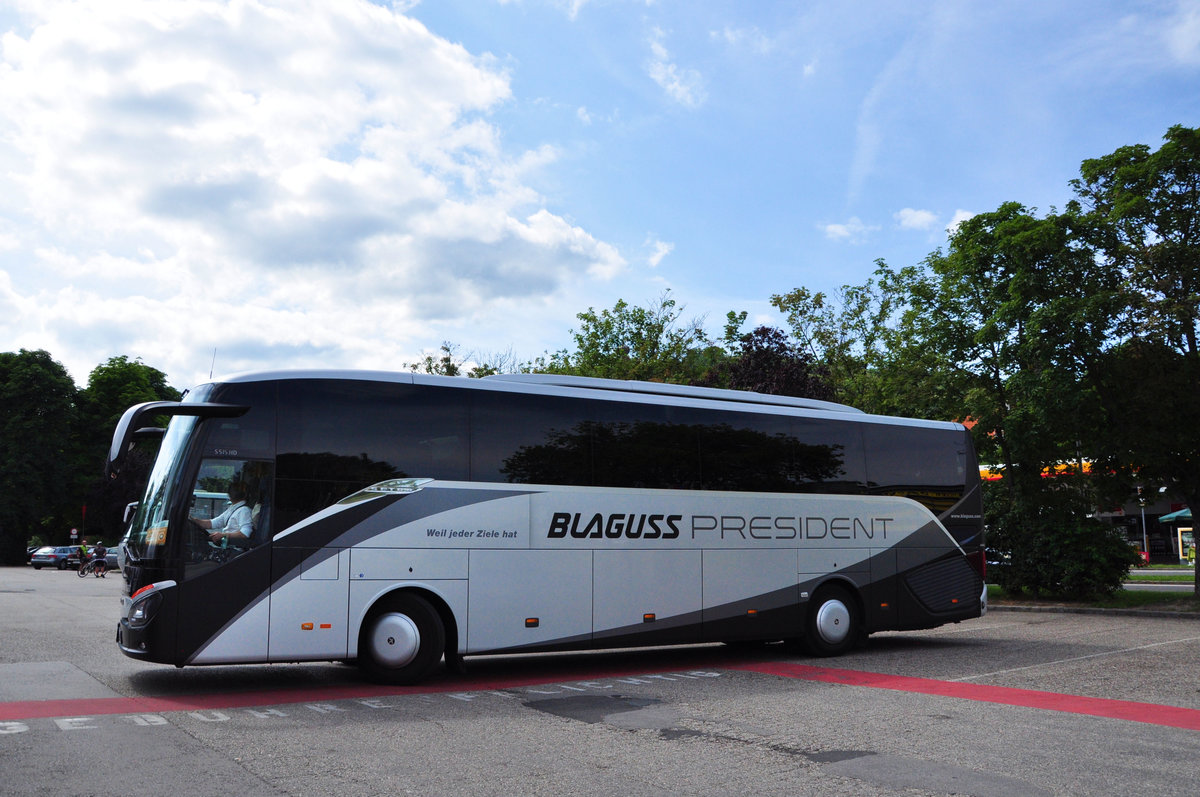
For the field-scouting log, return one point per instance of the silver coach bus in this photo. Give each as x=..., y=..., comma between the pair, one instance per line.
x=399, y=519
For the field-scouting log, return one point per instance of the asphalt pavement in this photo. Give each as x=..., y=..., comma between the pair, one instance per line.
x=1015, y=703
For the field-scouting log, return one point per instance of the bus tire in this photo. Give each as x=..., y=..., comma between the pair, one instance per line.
x=834, y=622
x=401, y=640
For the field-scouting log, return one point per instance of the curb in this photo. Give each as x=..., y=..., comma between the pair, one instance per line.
x=1091, y=610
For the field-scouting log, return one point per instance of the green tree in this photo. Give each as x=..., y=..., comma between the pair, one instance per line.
x=37, y=415
x=451, y=362
x=448, y=363
x=767, y=362
x=113, y=387
x=1144, y=210
x=1021, y=311
x=856, y=338
x=650, y=343
x=1150, y=434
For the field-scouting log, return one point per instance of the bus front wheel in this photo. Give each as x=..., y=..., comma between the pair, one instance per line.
x=834, y=622
x=402, y=640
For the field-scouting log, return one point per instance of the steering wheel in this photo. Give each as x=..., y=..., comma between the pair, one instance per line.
x=198, y=543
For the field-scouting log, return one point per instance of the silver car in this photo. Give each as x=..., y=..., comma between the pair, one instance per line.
x=62, y=557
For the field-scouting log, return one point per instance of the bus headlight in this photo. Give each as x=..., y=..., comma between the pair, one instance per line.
x=142, y=610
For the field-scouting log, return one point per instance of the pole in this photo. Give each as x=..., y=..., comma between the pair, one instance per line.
x=1145, y=540
x=1145, y=543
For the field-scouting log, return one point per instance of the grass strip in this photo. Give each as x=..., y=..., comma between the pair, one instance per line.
x=1183, y=600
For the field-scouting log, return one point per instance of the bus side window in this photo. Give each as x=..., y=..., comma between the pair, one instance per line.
x=211, y=494
x=925, y=465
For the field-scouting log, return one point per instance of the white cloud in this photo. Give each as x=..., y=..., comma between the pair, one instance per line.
x=1183, y=33
x=852, y=231
x=659, y=250
x=959, y=217
x=912, y=219
x=750, y=38
x=684, y=86
x=289, y=183
x=571, y=7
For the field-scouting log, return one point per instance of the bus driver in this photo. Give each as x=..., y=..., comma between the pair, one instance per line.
x=234, y=524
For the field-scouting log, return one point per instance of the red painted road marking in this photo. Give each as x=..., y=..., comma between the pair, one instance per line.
x=1169, y=716
x=1154, y=714
x=100, y=706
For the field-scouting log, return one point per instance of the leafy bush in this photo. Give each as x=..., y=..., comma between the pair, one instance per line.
x=1048, y=546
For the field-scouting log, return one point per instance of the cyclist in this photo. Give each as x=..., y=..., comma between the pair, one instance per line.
x=99, y=557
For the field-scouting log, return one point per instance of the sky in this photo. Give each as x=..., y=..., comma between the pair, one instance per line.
x=215, y=187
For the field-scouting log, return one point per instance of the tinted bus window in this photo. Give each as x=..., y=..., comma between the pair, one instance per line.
x=927, y=465
x=773, y=453
x=644, y=445
x=831, y=455
x=530, y=439
x=336, y=437
x=252, y=434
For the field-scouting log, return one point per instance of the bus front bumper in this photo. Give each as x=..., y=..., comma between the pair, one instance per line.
x=134, y=629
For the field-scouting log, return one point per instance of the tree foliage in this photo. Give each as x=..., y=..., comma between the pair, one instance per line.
x=53, y=442
x=1019, y=312
x=767, y=362
x=1143, y=209
x=1051, y=547
x=113, y=387
x=1145, y=206
x=448, y=362
x=651, y=343
x=37, y=415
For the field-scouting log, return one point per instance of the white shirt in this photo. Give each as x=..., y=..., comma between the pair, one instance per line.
x=235, y=518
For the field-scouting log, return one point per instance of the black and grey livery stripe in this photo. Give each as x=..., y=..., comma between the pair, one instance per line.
x=294, y=549
x=212, y=602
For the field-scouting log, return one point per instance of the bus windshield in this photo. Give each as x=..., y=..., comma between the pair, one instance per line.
x=150, y=528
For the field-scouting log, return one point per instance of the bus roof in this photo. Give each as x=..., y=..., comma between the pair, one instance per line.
x=593, y=387
x=664, y=389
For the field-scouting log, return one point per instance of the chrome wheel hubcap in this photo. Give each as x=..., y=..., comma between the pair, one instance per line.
x=395, y=640
x=833, y=621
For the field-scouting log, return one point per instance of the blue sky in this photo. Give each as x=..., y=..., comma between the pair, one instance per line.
x=337, y=183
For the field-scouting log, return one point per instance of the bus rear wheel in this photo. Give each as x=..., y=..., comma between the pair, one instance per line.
x=834, y=622
x=401, y=640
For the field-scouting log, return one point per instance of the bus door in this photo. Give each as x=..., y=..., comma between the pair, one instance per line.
x=224, y=597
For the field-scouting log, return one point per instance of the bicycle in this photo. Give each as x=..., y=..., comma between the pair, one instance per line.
x=93, y=566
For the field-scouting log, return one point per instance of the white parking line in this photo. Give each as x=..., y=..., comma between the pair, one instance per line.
x=1079, y=658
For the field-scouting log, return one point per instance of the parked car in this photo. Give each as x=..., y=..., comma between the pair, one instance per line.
x=30, y=551
x=62, y=557
x=110, y=559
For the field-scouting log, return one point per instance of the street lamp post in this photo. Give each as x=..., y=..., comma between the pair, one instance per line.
x=1145, y=540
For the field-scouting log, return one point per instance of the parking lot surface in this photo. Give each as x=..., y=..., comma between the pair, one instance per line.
x=1010, y=704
